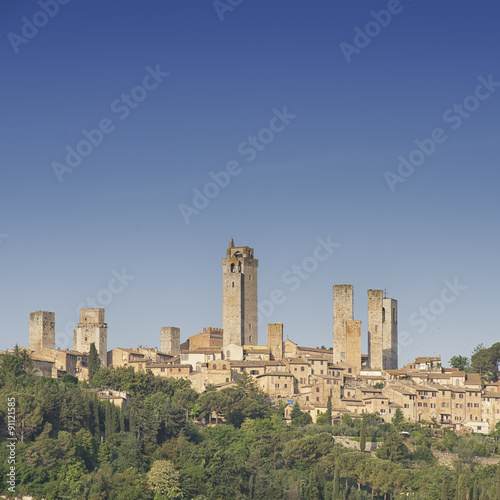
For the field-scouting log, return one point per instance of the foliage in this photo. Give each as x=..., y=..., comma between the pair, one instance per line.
x=460, y=363
x=93, y=361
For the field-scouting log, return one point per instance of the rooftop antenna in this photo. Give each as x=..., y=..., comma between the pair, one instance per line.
x=385, y=293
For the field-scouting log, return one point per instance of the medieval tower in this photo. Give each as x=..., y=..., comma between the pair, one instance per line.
x=42, y=330
x=343, y=303
x=275, y=339
x=375, y=344
x=239, y=296
x=170, y=340
x=92, y=329
x=390, y=333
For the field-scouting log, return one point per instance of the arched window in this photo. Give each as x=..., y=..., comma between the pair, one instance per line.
x=394, y=318
x=239, y=267
x=232, y=268
x=224, y=367
x=228, y=354
x=214, y=366
x=383, y=314
x=317, y=389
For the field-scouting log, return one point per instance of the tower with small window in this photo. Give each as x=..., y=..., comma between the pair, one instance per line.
x=92, y=329
x=239, y=296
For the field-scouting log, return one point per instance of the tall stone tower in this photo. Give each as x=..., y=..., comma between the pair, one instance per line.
x=170, y=340
x=390, y=333
x=92, y=328
x=239, y=296
x=375, y=329
x=343, y=304
x=353, y=341
x=42, y=330
x=275, y=339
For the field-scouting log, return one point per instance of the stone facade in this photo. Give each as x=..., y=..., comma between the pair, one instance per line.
x=389, y=334
x=275, y=339
x=42, y=330
x=170, y=340
x=239, y=296
x=92, y=329
x=343, y=303
x=353, y=344
x=375, y=329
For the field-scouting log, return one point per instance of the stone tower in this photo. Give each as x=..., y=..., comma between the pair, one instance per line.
x=375, y=329
x=92, y=328
x=353, y=342
x=42, y=330
x=390, y=334
x=275, y=339
x=239, y=296
x=170, y=340
x=343, y=303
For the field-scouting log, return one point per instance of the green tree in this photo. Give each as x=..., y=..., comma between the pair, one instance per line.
x=298, y=417
x=93, y=362
x=329, y=410
x=398, y=419
x=336, y=484
x=163, y=479
x=392, y=448
x=362, y=435
x=460, y=363
x=16, y=368
x=445, y=488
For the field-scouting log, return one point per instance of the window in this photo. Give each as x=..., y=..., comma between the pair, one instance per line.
x=383, y=314
x=232, y=269
x=249, y=326
x=301, y=368
x=228, y=354
x=317, y=389
x=214, y=367
x=286, y=386
x=233, y=284
x=224, y=367
x=394, y=315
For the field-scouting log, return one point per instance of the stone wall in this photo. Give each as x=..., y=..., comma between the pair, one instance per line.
x=42, y=334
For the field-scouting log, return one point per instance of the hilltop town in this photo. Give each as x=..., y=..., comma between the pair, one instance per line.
x=354, y=383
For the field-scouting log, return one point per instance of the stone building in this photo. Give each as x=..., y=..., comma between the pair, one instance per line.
x=42, y=330
x=275, y=339
x=239, y=296
x=389, y=334
x=170, y=340
x=343, y=304
x=207, y=339
x=92, y=329
x=375, y=343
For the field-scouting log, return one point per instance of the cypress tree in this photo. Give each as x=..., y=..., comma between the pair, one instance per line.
x=444, y=491
x=329, y=410
x=336, y=484
x=362, y=435
x=93, y=361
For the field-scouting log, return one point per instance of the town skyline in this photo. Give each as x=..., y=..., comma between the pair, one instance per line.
x=142, y=158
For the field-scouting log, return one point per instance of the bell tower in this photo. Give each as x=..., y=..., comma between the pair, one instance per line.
x=239, y=296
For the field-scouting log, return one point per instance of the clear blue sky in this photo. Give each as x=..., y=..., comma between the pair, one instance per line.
x=320, y=174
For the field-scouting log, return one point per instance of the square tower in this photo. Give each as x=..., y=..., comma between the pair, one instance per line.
x=239, y=296
x=353, y=342
x=92, y=329
x=275, y=339
x=375, y=329
x=343, y=305
x=42, y=330
x=390, y=333
x=170, y=340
